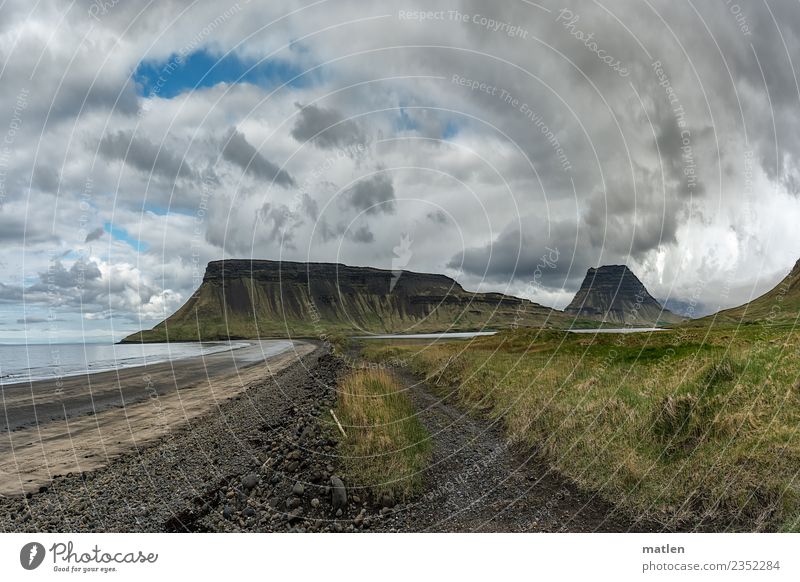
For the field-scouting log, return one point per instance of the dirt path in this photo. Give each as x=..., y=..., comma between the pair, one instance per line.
x=477, y=483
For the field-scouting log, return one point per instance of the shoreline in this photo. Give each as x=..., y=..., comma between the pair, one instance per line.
x=35, y=403
x=208, y=472
x=105, y=415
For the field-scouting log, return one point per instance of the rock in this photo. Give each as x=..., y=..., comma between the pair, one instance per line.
x=315, y=503
x=338, y=493
x=292, y=467
x=298, y=489
x=295, y=515
x=250, y=481
x=339, y=513
x=614, y=294
x=293, y=502
x=227, y=512
x=249, y=512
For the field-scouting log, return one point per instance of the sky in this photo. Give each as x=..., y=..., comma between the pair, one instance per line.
x=509, y=145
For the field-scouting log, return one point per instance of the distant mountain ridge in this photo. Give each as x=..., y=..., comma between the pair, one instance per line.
x=613, y=294
x=242, y=298
x=779, y=305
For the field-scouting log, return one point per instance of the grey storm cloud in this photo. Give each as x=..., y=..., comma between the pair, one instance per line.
x=373, y=195
x=45, y=178
x=438, y=216
x=554, y=255
x=360, y=234
x=10, y=293
x=327, y=128
x=95, y=234
x=78, y=275
x=32, y=320
x=239, y=151
x=14, y=228
x=363, y=234
x=144, y=155
x=596, y=163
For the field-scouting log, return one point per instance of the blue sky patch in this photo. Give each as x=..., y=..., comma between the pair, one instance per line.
x=450, y=130
x=119, y=233
x=200, y=69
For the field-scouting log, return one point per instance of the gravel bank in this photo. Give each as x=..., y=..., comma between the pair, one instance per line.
x=237, y=468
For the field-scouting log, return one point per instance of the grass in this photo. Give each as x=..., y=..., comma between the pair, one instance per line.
x=687, y=426
x=386, y=448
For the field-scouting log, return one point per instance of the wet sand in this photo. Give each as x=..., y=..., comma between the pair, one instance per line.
x=89, y=420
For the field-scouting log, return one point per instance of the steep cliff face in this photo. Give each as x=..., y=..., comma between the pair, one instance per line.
x=251, y=299
x=613, y=294
x=781, y=305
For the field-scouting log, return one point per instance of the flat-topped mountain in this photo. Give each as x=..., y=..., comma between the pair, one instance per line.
x=779, y=305
x=241, y=298
x=613, y=294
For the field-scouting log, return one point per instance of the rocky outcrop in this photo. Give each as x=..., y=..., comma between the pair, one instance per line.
x=613, y=294
x=252, y=299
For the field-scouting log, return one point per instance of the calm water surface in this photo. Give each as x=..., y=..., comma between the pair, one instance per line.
x=23, y=363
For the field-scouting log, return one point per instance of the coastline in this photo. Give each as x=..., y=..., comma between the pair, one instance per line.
x=93, y=419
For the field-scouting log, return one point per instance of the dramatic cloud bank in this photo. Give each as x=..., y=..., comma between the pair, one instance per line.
x=511, y=145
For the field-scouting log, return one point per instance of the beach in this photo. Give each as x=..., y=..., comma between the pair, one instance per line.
x=80, y=423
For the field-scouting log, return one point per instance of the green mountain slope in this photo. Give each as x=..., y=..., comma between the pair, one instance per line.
x=780, y=305
x=252, y=299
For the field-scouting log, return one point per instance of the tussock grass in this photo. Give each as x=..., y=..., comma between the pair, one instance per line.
x=682, y=427
x=386, y=448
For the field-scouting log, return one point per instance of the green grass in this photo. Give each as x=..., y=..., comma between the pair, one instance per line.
x=386, y=447
x=683, y=427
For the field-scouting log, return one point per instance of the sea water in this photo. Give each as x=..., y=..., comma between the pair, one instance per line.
x=23, y=363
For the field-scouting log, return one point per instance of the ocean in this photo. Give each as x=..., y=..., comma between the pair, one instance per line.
x=23, y=363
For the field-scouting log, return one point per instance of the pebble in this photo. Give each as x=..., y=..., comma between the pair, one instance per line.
x=298, y=489
x=338, y=493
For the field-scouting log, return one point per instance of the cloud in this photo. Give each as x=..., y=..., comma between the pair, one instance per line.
x=237, y=150
x=10, y=293
x=373, y=195
x=363, y=234
x=438, y=216
x=555, y=254
x=32, y=320
x=564, y=153
x=95, y=234
x=15, y=229
x=327, y=128
x=144, y=155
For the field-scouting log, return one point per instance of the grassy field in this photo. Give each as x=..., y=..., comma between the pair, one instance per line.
x=386, y=447
x=685, y=427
